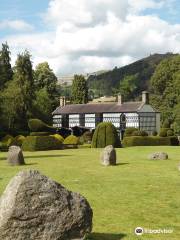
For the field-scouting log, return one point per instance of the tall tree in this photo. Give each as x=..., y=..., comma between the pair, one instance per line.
x=45, y=78
x=43, y=106
x=79, y=90
x=6, y=72
x=165, y=85
x=19, y=94
x=128, y=86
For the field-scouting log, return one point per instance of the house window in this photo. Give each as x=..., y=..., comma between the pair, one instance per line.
x=132, y=120
x=147, y=122
x=90, y=120
x=73, y=120
x=114, y=118
x=57, y=121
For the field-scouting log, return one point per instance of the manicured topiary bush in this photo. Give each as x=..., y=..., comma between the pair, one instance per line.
x=154, y=133
x=36, y=125
x=170, y=133
x=7, y=140
x=58, y=137
x=41, y=143
x=166, y=124
x=71, y=140
x=163, y=132
x=18, y=140
x=104, y=135
x=129, y=131
x=149, y=141
x=87, y=137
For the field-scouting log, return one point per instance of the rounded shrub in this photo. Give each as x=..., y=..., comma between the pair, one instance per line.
x=163, y=132
x=87, y=137
x=41, y=143
x=71, y=140
x=58, y=137
x=105, y=134
x=18, y=140
x=170, y=133
x=166, y=124
x=7, y=140
x=154, y=133
x=129, y=131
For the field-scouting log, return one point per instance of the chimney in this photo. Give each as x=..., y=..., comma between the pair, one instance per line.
x=62, y=101
x=119, y=99
x=145, y=97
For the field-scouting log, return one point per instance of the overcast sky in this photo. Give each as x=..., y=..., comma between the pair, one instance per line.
x=82, y=36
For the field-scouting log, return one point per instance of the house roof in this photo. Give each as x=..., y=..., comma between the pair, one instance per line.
x=99, y=108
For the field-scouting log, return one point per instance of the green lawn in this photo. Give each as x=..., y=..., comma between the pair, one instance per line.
x=136, y=192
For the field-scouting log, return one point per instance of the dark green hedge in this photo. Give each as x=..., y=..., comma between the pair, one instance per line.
x=41, y=143
x=150, y=141
x=104, y=135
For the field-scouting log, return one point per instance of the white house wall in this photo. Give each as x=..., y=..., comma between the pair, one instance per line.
x=114, y=118
x=57, y=121
x=90, y=120
x=74, y=120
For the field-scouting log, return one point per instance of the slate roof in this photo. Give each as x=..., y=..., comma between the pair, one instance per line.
x=99, y=108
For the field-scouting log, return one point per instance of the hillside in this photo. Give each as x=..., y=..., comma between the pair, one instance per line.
x=108, y=82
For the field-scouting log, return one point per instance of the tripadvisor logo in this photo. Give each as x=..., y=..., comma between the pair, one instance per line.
x=139, y=231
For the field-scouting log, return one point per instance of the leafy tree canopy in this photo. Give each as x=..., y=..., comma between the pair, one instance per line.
x=79, y=90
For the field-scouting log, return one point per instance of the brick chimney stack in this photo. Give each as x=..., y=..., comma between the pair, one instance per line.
x=145, y=97
x=62, y=101
x=119, y=99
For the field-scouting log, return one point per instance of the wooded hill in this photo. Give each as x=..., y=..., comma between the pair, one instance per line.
x=109, y=83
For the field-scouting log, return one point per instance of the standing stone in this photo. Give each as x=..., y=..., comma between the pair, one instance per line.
x=35, y=207
x=108, y=156
x=158, y=156
x=15, y=156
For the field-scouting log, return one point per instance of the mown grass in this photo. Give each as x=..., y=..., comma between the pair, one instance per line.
x=136, y=192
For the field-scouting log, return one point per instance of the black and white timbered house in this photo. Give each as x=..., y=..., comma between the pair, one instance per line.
x=122, y=114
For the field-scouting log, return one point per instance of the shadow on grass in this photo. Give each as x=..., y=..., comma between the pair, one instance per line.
x=121, y=163
x=106, y=236
x=47, y=156
x=29, y=164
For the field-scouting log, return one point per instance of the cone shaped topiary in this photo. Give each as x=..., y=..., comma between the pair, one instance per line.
x=104, y=135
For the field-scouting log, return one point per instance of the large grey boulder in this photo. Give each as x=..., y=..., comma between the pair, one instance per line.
x=158, y=156
x=15, y=156
x=35, y=207
x=108, y=156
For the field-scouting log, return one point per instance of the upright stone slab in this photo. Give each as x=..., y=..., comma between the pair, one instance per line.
x=15, y=156
x=35, y=207
x=108, y=156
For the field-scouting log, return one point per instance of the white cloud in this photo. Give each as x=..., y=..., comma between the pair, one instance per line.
x=18, y=25
x=99, y=34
